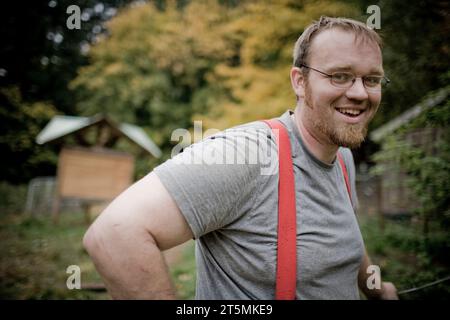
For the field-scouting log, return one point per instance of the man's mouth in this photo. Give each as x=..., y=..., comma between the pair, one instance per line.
x=351, y=115
x=350, y=112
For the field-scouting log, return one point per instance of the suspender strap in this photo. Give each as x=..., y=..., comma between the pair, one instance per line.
x=286, y=278
x=344, y=171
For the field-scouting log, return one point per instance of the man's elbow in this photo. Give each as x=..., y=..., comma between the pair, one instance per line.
x=99, y=238
x=110, y=237
x=89, y=241
x=102, y=236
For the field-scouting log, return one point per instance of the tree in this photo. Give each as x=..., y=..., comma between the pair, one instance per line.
x=39, y=56
x=264, y=33
x=153, y=67
x=416, y=37
x=164, y=68
x=21, y=122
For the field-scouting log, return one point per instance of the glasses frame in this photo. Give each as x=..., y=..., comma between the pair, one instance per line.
x=353, y=80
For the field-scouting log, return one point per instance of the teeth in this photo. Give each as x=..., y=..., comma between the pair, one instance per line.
x=349, y=111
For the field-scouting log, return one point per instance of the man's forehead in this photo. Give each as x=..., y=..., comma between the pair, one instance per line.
x=338, y=35
x=343, y=47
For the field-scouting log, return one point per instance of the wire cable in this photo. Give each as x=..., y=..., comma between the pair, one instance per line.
x=424, y=286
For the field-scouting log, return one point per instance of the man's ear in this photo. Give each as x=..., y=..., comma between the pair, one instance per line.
x=298, y=82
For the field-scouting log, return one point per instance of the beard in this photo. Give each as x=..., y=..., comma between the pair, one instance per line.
x=341, y=134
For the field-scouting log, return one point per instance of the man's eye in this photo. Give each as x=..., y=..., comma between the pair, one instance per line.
x=372, y=81
x=342, y=77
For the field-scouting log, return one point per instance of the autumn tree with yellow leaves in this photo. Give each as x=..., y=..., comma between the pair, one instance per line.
x=209, y=60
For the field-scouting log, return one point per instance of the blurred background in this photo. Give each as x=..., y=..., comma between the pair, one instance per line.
x=87, y=110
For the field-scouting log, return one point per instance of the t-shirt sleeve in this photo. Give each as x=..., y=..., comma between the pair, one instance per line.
x=213, y=182
x=350, y=164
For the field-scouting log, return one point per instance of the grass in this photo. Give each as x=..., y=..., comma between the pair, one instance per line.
x=35, y=254
x=184, y=274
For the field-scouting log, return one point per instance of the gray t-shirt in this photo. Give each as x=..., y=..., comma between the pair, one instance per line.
x=230, y=201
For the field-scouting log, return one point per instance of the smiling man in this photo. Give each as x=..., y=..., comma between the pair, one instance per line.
x=231, y=209
x=342, y=97
x=338, y=79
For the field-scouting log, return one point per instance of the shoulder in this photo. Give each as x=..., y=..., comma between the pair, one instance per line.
x=248, y=144
x=240, y=152
x=216, y=180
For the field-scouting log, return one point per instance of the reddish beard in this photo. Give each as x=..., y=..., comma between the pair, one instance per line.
x=342, y=134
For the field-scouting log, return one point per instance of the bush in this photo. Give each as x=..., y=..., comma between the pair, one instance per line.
x=406, y=259
x=12, y=198
x=427, y=164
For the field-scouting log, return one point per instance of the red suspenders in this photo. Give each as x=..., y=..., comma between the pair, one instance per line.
x=286, y=278
x=287, y=225
x=344, y=171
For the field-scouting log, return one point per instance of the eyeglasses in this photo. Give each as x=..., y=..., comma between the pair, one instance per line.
x=345, y=80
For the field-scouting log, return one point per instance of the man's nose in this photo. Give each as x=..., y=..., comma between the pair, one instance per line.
x=357, y=91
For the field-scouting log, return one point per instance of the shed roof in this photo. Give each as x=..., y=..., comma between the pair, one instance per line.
x=410, y=114
x=61, y=126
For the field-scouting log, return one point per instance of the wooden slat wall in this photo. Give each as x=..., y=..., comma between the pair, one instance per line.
x=93, y=175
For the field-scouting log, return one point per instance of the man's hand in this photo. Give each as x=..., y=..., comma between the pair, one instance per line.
x=388, y=291
x=385, y=291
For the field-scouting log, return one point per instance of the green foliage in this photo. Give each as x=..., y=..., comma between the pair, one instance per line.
x=257, y=83
x=12, y=198
x=39, y=57
x=406, y=258
x=163, y=64
x=161, y=68
x=21, y=123
x=40, y=54
x=151, y=70
x=427, y=165
x=416, y=37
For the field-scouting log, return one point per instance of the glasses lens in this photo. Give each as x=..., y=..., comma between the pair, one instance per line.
x=372, y=82
x=346, y=80
x=342, y=79
x=375, y=83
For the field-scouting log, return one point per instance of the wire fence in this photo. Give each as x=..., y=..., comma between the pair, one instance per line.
x=41, y=195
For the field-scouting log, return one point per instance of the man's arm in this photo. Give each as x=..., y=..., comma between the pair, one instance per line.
x=126, y=240
x=387, y=290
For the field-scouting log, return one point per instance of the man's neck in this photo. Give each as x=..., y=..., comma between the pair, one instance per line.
x=325, y=152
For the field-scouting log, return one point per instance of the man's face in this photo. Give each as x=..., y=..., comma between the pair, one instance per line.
x=337, y=50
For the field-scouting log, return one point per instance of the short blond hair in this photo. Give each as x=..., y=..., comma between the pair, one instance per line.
x=303, y=44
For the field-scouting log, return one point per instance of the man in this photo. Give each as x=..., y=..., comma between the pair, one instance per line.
x=231, y=208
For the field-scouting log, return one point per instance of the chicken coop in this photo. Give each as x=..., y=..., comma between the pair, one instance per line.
x=90, y=167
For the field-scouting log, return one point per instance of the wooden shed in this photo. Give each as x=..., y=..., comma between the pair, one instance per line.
x=394, y=196
x=90, y=168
